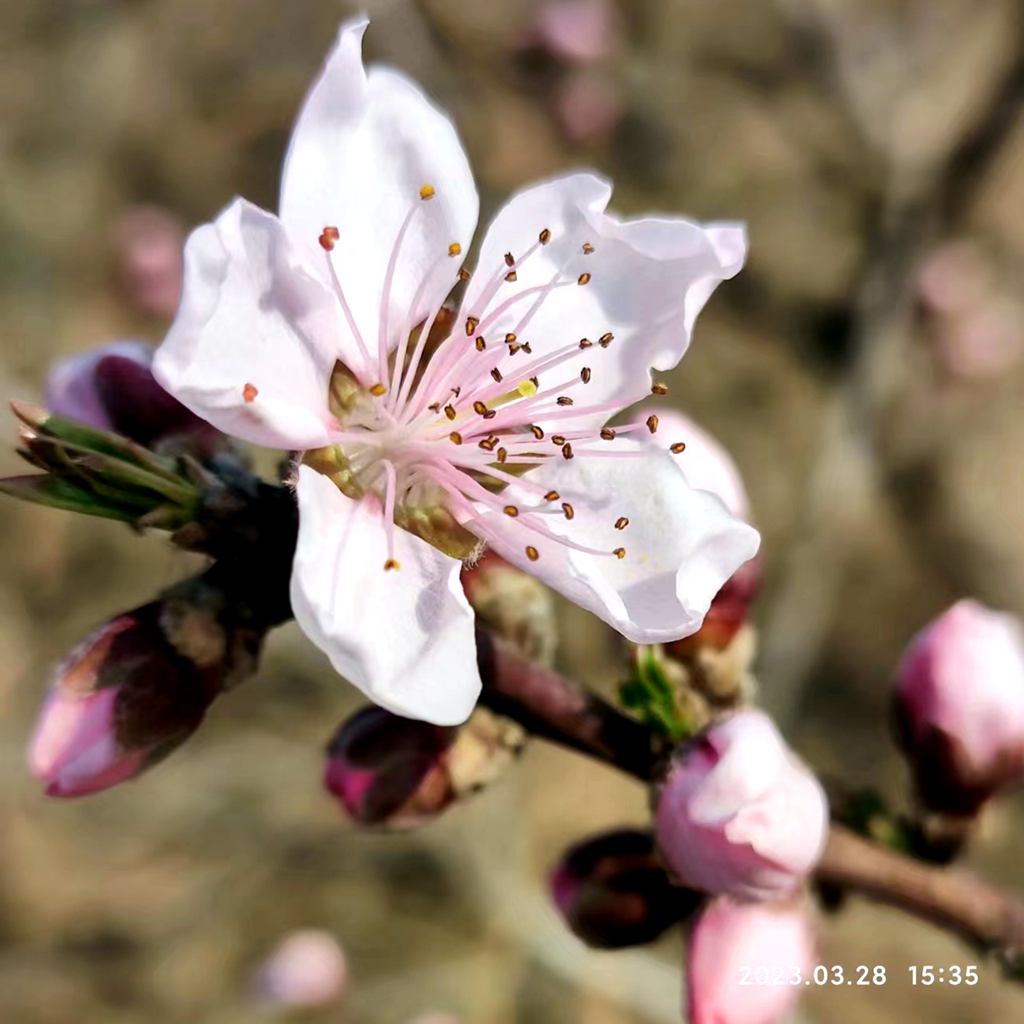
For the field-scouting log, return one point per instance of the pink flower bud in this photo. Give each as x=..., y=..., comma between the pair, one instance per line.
x=579, y=30
x=613, y=891
x=738, y=813
x=113, y=388
x=121, y=701
x=387, y=770
x=959, y=704
x=769, y=946
x=308, y=968
x=588, y=107
x=148, y=244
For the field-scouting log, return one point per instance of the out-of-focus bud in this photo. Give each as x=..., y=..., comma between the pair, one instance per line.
x=435, y=1018
x=399, y=773
x=959, y=707
x=772, y=946
x=122, y=700
x=579, y=30
x=514, y=605
x=308, y=968
x=112, y=387
x=148, y=242
x=613, y=891
x=738, y=813
x=588, y=107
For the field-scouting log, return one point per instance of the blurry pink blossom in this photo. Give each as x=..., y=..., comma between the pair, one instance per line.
x=771, y=946
x=982, y=343
x=960, y=706
x=307, y=968
x=739, y=813
x=588, y=107
x=148, y=242
x=579, y=30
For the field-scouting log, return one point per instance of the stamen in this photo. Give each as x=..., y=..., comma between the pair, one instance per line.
x=391, y=564
x=586, y=343
x=558, y=440
x=677, y=448
x=454, y=249
x=390, y=492
x=652, y=423
x=659, y=389
x=328, y=237
x=449, y=411
x=568, y=510
x=621, y=523
x=455, y=437
x=510, y=260
x=544, y=237
x=584, y=278
x=496, y=374
x=427, y=192
x=537, y=432
x=607, y=434
x=552, y=496
x=511, y=276
x=464, y=276
x=510, y=339
x=564, y=400
x=502, y=454
x=619, y=553
x=566, y=451
x=249, y=393
x=585, y=375
x=532, y=553
x=378, y=389
x=606, y=339
x=511, y=510
x=480, y=409
x=480, y=344
x=472, y=323
x=587, y=248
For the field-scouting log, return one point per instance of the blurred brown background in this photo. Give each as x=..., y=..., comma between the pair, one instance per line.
x=867, y=371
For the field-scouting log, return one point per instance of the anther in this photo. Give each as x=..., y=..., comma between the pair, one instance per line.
x=449, y=411
x=511, y=510
x=535, y=381
x=426, y=192
x=513, y=349
x=585, y=375
x=496, y=374
x=563, y=400
x=510, y=339
x=472, y=323
x=621, y=523
x=328, y=237
x=619, y=553
x=510, y=260
x=568, y=510
x=585, y=343
x=544, y=237
x=455, y=437
x=557, y=440
x=606, y=339
x=464, y=276
x=490, y=414
x=249, y=393
x=552, y=496
x=434, y=407
x=584, y=278
x=479, y=408
x=659, y=389
x=526, y=348
x=607, y=434
x=511, y=276
x=480, y=344
x=587, y=248
x=391, y=564
x=454, y=249
x=677, y=448
x=652, y=423
x=502, y=454
x=488, y=443
x=537, y=432
x=377, y=390
x=532, y=553
x=566, y=451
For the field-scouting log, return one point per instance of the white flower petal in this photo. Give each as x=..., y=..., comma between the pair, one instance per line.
x=649, y=278
x=681, y=544
x=363, y=146
x=404, y=637
x=256, y=336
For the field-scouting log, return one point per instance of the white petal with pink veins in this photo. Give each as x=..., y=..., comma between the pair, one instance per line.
x=363, y=147
x=404, y=637
x=256, y=336
x=680, y=544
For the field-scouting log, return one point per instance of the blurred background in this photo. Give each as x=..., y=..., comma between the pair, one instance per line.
x=866, y=370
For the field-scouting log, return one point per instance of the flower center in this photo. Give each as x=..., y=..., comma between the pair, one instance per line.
x=436, y=435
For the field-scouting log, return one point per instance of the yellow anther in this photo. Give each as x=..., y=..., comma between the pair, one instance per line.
x=390, y=564
x=511, y=510
x=454, y=249
x=584, y=278
x=426, y=192
x=526, y=388
x=377, y=390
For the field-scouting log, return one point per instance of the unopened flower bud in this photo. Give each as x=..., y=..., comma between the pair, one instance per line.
x=308, y=968
x=579, y=30
x=588, y=107
x=400, y=773
x=387, y=770
x=112, y=387
x=148, y=244
x=613, y=891
x=959, y=704
x=738, y=813
x=514, y=605
x=746, y=962
x=122, y=700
